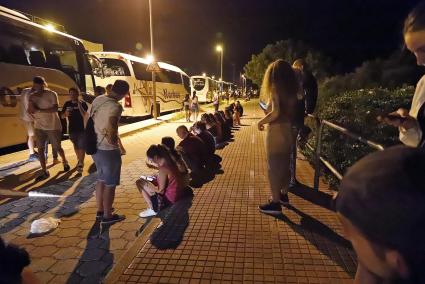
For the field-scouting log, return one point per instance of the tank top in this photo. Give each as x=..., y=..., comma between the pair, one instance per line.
x=173, y=191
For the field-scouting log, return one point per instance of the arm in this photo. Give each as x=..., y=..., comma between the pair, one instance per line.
x=272, y=115
x=81, y=109
x=112, y=130
x=162, y=181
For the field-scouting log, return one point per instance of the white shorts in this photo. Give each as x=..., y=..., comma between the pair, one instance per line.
x=29, y=126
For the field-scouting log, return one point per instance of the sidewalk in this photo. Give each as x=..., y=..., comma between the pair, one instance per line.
x=220, y=236
x=217, y=236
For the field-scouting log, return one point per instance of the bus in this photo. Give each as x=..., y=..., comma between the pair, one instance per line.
x=29, y=49
x=204, y=87
x=172, y=83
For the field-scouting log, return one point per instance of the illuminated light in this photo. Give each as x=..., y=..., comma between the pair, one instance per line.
x=219, y=48
x=33, y=48
x=213, y=77
x=204, y=74
x=50, y=27
x=219, y=79
x=139, y=46
x=150, y=58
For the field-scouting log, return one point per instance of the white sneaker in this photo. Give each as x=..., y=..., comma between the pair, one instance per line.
x=147, y=213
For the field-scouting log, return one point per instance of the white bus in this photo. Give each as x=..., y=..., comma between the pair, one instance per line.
x=172, y=84
x=28, y=49
x=204, y=87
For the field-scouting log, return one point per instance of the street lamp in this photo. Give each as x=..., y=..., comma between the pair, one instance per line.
x=243, y=84
x=155, y=111
x=219, y=48
x=204, y=74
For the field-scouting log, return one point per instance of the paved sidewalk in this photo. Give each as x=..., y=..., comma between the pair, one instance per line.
x=219, y=235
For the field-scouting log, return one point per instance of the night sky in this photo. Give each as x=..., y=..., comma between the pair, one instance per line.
x=186, y=31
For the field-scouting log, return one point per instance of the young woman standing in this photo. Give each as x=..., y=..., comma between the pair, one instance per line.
x=280, y=88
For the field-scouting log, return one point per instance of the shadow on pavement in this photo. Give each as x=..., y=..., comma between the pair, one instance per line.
x=31, y=208
x=324, y=239
x=96, y=260
x=175, y=222
x=316, y=197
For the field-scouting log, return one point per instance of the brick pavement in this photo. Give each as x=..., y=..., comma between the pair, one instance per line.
x=219, y=235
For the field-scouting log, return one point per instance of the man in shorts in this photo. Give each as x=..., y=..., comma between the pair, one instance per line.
x=43, y=105
x=106, y=112
x=75, y=110
x=28, y=122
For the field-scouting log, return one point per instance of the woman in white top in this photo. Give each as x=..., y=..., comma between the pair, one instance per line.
x=412, y=123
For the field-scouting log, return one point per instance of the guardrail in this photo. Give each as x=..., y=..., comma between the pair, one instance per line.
x=319, y=159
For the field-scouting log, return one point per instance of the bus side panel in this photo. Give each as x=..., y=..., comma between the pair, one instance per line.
x=14, y=78
x=170, y=96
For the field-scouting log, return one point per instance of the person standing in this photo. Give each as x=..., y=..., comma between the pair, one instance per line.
x=28, y=122
x=411, y=123
x=280, y=86
x=216, y=101
x=195, y=106
x=186, y=107
x=43, y=105
x=75, y=110
x=106, y=112
x=306, y=103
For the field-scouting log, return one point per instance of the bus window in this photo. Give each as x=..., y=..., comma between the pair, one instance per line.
x=140, y=71
x=168, y=76
x=19, y=45
x=115, y=67
x=61, y=54
x=186, y=83
x=198, y=84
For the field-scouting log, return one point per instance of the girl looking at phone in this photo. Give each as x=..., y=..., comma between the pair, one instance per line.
x=412, y=126
x=168, y=185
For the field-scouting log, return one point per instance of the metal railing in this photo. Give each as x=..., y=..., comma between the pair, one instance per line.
x=319, y=159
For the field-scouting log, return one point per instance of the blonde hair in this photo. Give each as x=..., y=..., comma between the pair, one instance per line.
x=279, y=80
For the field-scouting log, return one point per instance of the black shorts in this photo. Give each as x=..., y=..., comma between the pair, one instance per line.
x=77, y=138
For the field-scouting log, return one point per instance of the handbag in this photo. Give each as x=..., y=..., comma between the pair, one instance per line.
x=90, y=134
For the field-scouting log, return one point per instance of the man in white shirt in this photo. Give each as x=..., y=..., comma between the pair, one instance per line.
x=28, y=121
x=106, y=113
x=43, y=106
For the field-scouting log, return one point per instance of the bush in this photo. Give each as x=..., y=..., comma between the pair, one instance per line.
x=357, y=111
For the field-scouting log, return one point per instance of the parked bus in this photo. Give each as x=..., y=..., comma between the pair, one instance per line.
x=204, y=87
x=172, y=83
x=28, y=49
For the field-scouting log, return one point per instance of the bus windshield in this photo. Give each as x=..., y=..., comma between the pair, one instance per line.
x=115, y=67
x=198, y=83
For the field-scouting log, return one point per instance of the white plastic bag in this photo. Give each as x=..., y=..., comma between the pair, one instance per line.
x=44, y=225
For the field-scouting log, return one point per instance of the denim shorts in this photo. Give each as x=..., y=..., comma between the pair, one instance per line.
x=78, y=139
x=108, y=165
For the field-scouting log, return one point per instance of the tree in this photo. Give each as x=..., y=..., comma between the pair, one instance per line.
x=288, y=50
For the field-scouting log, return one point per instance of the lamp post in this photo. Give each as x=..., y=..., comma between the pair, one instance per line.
x=155, y=111
x=243, y=84
x=219, y=48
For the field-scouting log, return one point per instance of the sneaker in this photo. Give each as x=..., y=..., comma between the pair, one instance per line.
x=293, y=184
x=114, y=219
x=43, y=176
x=66, y=167
x=147, y=213
x=99, y=214
x=284, y=199
x=271, y=208
x=33, y=157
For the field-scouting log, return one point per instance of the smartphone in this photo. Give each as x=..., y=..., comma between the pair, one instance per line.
x=393, y=117
x=148, y=178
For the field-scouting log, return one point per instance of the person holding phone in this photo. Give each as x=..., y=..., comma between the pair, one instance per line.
x=280, y=87
x=167, y=186
x=411, y=123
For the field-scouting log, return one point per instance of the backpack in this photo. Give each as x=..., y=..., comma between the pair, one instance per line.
x=90, y=134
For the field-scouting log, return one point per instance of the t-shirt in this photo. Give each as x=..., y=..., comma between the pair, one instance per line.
x=25, y=95
x=46, y=120
x=75, y=119
x=102, y=109
x=194, y=148
x=215, y=99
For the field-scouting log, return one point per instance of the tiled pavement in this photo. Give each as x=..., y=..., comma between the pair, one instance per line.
x=217, y=236
x=220, y=236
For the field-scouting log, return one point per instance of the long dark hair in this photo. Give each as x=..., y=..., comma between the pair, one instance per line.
x=162, y=152
x=415, y=21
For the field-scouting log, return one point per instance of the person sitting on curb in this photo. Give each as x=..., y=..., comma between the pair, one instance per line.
x=381, y=207
x=200, y=130
x=175, y=155
x=166, y=187
x=193, y=149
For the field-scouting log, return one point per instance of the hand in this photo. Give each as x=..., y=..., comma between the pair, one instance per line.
x=260, y=126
